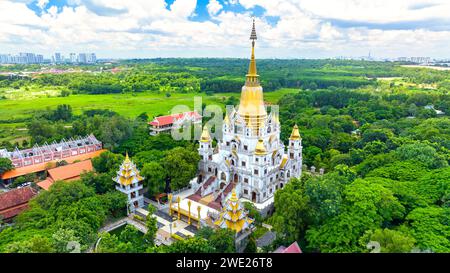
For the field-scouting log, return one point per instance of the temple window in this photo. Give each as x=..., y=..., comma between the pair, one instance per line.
x=256, y=171
x=243, y=163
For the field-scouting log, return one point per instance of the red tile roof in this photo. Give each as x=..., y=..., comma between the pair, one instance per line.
x=43, y=166
x=169, y=119
x=67, y=173
x=45, y=184
x=15, y=201
x=293, y=248
x=70, y=171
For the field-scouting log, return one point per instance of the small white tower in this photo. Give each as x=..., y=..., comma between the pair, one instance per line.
x=131, y=183
x=205, y=150
x=295, y=151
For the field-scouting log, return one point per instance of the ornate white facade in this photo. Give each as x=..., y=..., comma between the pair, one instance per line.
x=250, y=157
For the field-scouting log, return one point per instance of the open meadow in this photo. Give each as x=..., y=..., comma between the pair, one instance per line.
x=13, y=112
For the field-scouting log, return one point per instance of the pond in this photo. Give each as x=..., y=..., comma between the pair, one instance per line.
x=119, y=230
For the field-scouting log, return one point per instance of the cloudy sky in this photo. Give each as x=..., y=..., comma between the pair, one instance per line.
x=221, y=28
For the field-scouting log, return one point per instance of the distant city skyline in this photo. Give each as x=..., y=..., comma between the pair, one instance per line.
x=219, y=28
x=56, y=58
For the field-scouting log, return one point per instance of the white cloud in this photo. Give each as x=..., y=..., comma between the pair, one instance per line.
x=304, y=28
x=42, y=3
x=214, y=7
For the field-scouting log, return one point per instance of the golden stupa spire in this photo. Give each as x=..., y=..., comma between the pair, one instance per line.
x=295, y=135
x=252, y=76
x=127, y=158
x=251, y=106
x=205, y=137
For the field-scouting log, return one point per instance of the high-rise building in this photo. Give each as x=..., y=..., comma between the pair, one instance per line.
x=73, y=58
x=91, y=58
x=57, y=58
x=22, y=58
x=82, y=58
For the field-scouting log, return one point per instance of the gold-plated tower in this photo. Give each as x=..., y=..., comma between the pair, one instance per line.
x=251, y=107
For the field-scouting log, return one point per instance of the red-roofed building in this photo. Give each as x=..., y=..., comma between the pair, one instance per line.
x=66, y=173
x=166, y=123
x=41, y=158
x=293, y=248
x=14, y=202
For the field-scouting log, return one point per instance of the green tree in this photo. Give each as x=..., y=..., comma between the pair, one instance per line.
x=131, y=235
x=152, y=227
x=61, y=239
x=5, y=165
x=102, y=182
x=429, y=226
x=155, y=175
x=291, y=210
x=435, y=187
x=37, y=244
x=190, y=245
x=422, y=153
x=181, y=165
x=251, y=245
x=223, y=240
x=391, y=241
x=107, y=162
x=114, y=130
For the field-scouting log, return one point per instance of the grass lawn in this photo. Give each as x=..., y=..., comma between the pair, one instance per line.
x=128, y=105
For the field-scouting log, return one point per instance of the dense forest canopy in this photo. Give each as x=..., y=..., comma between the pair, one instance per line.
x=220, y=75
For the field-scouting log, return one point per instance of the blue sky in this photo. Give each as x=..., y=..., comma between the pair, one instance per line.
x=220, y=28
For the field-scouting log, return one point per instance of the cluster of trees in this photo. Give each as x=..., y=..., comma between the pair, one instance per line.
x=342, y=126
x=64, y=219
x=387, y=182
x=221, y=75
x=54, y=125
x=207, y=240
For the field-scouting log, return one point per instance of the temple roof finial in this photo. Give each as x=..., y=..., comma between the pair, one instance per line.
x=252, y=76
x=253, y=34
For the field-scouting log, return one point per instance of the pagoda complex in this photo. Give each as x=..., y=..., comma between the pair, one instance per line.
x=130, y=182
x=250, y=157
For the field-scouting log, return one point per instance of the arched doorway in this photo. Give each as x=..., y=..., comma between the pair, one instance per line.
x=253, y=196
x=222, y=185
x=215, y=172
x=223, y=176
x=236, y=178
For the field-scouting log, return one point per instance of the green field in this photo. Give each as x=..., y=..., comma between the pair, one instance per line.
x=14, y=111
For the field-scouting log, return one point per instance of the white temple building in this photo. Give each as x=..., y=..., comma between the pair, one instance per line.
x=251, y=156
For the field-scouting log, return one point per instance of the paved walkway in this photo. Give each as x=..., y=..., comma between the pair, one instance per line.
x=126, y=220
